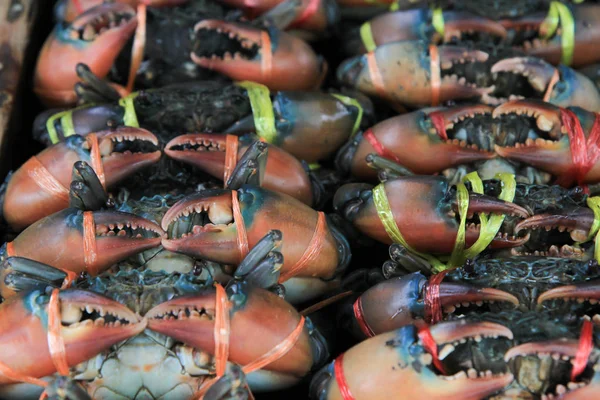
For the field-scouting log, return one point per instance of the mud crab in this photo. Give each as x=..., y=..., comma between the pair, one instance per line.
x=214, y=107
x=415, y=74
x=163, y=320
x=178, y=48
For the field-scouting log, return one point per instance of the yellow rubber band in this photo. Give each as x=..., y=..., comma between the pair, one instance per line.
x=489, y=227
x=594, y=204
x=437, y=20
x=130, y=117
x=394, y=6
x=314, y=166
x=66, y=123
x=352, y=102
x=366, y=35
x=262, y=110
x=560, y=14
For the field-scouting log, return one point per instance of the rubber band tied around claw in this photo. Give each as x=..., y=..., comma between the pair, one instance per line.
x=584, y=349
x=262, y=110
x=349, y=101
x=560, y=14
x=437, y=20
x=366, y=35
x=594, y=204
x=489, y=226
x=338, y=372
x=66, y=123
x=431, y=347
x=130, y=117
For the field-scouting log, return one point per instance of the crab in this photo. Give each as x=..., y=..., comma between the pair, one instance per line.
x=143, y=332
x=183, y=44
x=215, y=107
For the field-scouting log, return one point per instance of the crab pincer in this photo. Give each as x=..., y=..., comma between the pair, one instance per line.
x=405, y=364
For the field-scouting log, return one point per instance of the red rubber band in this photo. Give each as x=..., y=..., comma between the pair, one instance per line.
x=437, y=119
x=379, y=148
x=360, y=318
x=433, y=305
x=338, y=371
x=583, y=350
x=307, y=13
x=430, y=346
x=375, y=74
x=10, y=249
x=78, y=6
x=56, y=343
x=96, y=158
x=90, y=253
x=584, y=154
x=312, y=251
x=231, y=152
x=436, y=80
x=242, y=237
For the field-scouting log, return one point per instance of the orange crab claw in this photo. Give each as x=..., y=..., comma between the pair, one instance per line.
x=91, y=323
x=283, y=172
x=418, y=143
x=85, y=242
x=96, y=37
x=68, y=10
x=40, y=187
x=275, y=59
x=191, y=320
x=396, y=364
x=425, y=214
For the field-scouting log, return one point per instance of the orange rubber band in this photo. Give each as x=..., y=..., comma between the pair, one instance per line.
x=231, y=151
x=338, y=372
x=56, y=343
x=266, y=64
x=13, y=375
x=10, y=249
x=307, y=13
x=90, y=253
x=139, y=44
x=360, y=318
x=311, y=252
x=375, y=74
x=96, y=158
x=45, y=180
x=222, y=330
x=239, y=222
x=278, y=351
x=553, y=81
x=437, y=119
x=436, y=80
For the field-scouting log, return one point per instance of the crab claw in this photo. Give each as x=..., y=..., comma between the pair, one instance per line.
x=68, y=10
x=96, y=37
x=551, y=151
x=575, y=89
x=91, y=323
x=283, y=172
x=404, y=69
x=30, y=197
x=191, y=320
x=398, y=302
x=204, y=225
x=579, y=292
x=418, y=143
x=416, y=25
x=275, y=59
x=577, y=222
x=424, y=210
x=541, y=366
x=61, y=240
x=396, y=364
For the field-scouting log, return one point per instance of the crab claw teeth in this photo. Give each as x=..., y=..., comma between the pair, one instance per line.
x=458, y=22
x=457, y=293
x=481, y=203
x=564, y=347
x=547, y=116
x=582, y=290
x=538, y=72
x=577, y=221
x=450, y=55
x=453, y=331
x=283, y=62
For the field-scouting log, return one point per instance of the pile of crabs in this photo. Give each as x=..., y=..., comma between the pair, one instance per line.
x=325, y=199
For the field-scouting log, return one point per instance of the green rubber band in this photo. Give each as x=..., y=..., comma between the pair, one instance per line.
x=437, y=20
x=394, y=6
x=387, y=219
x=352, y=102
x=66, y=123
x=594, y=204
x=130, y=117
x=366, y=35
x=314, y=166
x=489, y=227
x=560, y=14
x=262, y=110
